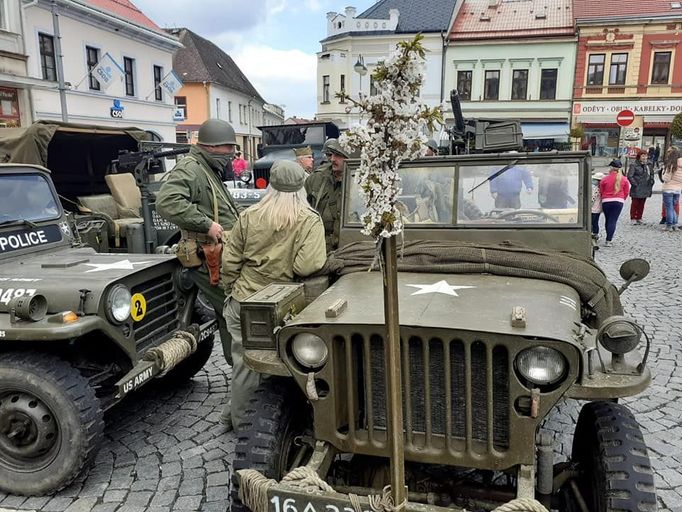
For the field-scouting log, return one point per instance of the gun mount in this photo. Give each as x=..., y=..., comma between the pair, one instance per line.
x=482, y=135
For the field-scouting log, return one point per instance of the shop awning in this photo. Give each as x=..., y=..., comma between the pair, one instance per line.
x=556, y=131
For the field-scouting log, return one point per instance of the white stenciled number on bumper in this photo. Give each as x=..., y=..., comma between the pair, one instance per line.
x=8, y=294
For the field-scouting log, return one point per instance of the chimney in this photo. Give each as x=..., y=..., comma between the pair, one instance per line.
x=330, y=15
x=350, y=13
x=393, y=15
x=492, y=4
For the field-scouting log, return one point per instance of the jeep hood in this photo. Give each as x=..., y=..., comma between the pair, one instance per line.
x=473, y=302
x=60, y=274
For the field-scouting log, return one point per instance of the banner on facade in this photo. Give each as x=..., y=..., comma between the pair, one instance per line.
x=644, y=107
x=171, y=83
x=107, y=71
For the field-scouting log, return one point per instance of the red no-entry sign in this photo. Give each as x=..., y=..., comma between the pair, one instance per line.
x=625, y=117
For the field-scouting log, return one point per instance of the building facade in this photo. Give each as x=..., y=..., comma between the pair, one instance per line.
x=628, y=60
x=89, y=30
x=515, y=60
x=215, y=87
x=355, y=44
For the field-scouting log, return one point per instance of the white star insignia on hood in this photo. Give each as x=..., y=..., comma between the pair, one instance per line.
x=117, y=265
x=439, y=287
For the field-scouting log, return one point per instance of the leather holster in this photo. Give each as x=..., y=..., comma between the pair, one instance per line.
x=213, y=255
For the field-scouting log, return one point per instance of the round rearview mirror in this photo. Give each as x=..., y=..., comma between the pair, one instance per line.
x=635, y=269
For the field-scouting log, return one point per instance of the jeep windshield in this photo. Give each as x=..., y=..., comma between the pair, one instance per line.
x=466, y=195
x=26, y=198
x=293, y=135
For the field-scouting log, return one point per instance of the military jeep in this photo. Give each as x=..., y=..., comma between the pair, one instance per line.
x=79, y=331
x=503, y=312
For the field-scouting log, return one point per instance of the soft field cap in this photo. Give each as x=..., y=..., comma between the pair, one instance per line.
x=598, y=176
x=306, y=151
x=287, y=176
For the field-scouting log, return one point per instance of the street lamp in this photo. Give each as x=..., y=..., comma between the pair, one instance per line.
x=360, y=69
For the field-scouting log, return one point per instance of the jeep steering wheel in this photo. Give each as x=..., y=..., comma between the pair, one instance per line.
x=520, y=214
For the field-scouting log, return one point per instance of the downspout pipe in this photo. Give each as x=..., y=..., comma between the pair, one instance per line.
x=445, y=41
x=59, y=62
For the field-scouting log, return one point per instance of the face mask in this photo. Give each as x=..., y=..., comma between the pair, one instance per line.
x=221, y=160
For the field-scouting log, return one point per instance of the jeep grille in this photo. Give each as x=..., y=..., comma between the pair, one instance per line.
x=455, y=393
x=162, y=316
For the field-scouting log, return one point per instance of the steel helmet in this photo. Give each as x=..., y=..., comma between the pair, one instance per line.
x=216, y=132
x=333, y=146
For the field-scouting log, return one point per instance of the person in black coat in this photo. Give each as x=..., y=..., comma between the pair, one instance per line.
x=641, y=177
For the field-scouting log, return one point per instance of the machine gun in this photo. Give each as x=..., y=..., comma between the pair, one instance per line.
x=141, y=164
x=482, y=135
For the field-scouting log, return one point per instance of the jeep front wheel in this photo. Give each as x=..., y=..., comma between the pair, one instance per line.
x=615, y=471
x=50, y=423
x=272, y=437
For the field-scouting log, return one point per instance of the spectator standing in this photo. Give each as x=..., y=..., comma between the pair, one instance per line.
x=657, y=154
x=672, y=187
x=613, y=188
x=668, y=160
x=239, y=164
x=641, y=177
x=272, y=241
x=506, y=187
x=596, y=204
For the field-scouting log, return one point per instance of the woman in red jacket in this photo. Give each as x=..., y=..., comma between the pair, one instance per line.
x=614, y=188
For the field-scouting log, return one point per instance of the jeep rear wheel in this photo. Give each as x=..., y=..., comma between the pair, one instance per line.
x=616, y=473
x=271, y=437
x=50, y=423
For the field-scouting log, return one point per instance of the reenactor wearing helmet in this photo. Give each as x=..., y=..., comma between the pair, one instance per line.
x=195, y=198
x=324, y=191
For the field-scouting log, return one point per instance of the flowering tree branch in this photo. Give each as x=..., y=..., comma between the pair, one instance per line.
x=396, y=122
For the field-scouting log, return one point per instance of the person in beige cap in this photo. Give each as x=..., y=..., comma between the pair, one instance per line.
x=272, y=241
x=304, y=156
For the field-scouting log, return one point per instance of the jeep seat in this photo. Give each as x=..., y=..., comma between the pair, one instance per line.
x=126, y=194
x=105, y=206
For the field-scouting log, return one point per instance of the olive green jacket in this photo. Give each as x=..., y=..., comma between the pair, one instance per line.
x=186, y=198
x=257, y=255
x=324, y=194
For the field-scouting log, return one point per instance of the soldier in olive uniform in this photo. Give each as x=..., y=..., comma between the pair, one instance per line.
x=324, y=191
x=194, y=197
x=273, y=241
x=304, y=156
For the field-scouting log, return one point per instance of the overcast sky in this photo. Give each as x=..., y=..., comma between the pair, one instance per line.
x=274, y=42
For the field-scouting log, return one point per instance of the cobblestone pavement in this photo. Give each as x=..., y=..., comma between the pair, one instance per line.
x=165, y=450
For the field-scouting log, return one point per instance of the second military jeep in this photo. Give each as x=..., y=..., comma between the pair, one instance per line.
x=503, y=312
x=79, y=331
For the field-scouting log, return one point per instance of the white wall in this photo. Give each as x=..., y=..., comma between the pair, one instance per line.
x=220, y=98
x=93, y=107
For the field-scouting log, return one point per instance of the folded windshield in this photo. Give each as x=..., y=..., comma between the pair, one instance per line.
x=26, y=197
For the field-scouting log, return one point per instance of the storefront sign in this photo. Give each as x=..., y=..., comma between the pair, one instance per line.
x=9, y=107
x=612, y=108
x=117, y=110
x=179, y=114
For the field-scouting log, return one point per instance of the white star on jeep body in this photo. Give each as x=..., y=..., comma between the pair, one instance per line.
x=117, y=265
x=439, y=287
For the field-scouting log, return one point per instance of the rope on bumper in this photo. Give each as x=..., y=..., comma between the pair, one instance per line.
x=253, y=489
x=521, y=505
x=171, y=352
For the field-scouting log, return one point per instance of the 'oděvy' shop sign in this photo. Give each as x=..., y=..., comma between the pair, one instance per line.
x=639, y=107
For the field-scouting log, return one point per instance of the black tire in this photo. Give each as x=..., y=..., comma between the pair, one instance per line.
x=50, y=423
x=616, y=473
x=193, y=364
x=203, y=309
x=276, y=416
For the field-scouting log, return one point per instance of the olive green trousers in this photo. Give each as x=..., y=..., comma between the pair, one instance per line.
x=216, y=296
x=244, y=380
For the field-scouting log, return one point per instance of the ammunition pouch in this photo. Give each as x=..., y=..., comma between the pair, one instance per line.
x=188, y=253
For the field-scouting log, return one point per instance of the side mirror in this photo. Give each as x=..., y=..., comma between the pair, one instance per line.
x=632, y=271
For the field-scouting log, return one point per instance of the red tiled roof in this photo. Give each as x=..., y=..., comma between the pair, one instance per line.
x=513, y=18
x=126, y=10
x=586, y=9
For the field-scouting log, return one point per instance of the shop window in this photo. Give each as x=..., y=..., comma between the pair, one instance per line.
x=464, y=85
x=181, y=103
x=47, y=58
x=548, y=80
x=619, y=65
x=325, y=89
x=492, y=85
x=92, y=57
x=519, y=84
x=595, y=69
x=129, y=69
x=661, y=69
x=158, y=75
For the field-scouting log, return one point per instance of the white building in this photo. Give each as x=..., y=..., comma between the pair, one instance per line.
x=356, y=43
x=272, y=114
x=89, y=29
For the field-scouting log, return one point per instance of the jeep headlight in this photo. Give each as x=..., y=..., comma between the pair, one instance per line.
x=309, y=350
x=118, y=304
x=541, y=365
x=619, y=335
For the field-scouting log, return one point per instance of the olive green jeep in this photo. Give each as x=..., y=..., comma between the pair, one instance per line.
x=79, y=331
x=503, y=313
